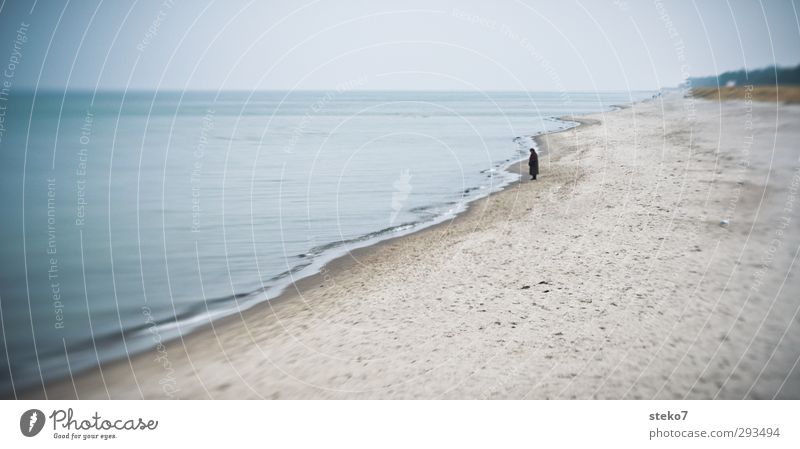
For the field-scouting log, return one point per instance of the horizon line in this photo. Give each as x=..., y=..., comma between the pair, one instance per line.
x=238, y=90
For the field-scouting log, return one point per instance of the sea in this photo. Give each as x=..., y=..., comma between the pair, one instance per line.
x=135, y=217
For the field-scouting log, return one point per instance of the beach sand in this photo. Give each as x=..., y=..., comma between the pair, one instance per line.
x=609, y=277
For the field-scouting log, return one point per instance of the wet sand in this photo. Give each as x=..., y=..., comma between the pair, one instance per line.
x=655, y=257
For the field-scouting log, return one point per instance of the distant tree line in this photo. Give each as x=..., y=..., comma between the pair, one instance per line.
x=766, y=76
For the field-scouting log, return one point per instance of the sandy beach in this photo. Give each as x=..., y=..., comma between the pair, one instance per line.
x=655, y=257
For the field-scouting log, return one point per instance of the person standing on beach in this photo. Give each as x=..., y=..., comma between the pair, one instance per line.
x=533, y=164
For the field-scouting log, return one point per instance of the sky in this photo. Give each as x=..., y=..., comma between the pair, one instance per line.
x=389, y=45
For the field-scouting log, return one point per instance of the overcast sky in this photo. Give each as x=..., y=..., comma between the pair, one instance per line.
x=428, y=44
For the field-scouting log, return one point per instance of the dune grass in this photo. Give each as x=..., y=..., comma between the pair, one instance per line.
x=783, y=94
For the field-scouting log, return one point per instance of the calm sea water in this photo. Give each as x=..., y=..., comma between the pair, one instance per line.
x=135, y=216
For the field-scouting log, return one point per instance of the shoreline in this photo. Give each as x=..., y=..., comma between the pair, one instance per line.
x=340, y=264
x=337, y=264
x=604, y=279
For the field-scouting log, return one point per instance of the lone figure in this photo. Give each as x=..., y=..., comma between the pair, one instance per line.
x=533, y=164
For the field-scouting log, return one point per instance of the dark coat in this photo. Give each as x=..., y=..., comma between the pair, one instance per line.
x=533, y=164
